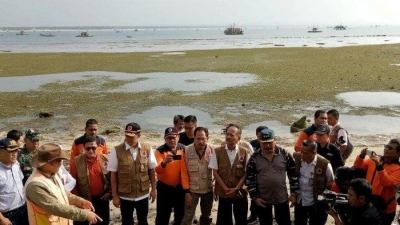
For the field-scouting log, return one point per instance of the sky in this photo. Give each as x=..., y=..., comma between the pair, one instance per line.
x=37, y=13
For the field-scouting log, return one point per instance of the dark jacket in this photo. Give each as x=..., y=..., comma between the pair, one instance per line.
x=366, y=215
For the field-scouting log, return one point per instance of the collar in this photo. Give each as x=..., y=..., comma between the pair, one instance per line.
x=226, y=147
x=127, y=146
x=95, y=159
x=314, y=162
x=6, y=167
x=333, y=127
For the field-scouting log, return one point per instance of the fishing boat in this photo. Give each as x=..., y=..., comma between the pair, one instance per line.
x=22, y=32
x=314, y=30
x=84, y=34
x=232, y=30
x=339, y=27
x=47, y=35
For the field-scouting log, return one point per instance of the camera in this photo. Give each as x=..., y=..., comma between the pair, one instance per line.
x=338, y=202
x=176, y=157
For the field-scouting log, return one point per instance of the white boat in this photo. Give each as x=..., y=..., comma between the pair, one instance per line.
x=84, y=34
x=47, y=35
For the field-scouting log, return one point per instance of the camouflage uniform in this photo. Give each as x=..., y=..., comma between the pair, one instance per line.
x=24, y=159
x=25, y=156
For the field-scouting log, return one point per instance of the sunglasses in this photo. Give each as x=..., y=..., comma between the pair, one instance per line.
x=388, y=147
x=90, y=148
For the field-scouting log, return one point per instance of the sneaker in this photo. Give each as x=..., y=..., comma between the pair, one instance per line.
x=251, y=219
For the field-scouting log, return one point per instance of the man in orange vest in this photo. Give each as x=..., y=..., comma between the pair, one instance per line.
x=47, y=200
x=92, y=178
x=91, y=129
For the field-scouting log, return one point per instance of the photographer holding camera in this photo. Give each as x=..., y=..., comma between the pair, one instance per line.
x=362, y=211
x=384, y=175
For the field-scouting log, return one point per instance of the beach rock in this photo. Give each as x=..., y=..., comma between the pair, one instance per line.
x=299, y=125
x=45, y=114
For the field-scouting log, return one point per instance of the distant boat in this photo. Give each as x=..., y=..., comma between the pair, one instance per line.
x=232, y=30
x=118, y=31
x=22, y=33
x=84, y=34
x=129, y=36
x=339, y=27
x=314, y=30
x=136, y=30
x=47, y=35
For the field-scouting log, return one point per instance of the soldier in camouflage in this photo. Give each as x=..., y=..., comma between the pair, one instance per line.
x=32, y=138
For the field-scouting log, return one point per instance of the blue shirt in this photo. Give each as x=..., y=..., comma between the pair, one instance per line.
x=11, y=187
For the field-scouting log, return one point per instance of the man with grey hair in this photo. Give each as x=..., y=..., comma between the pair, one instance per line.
x=229, y=170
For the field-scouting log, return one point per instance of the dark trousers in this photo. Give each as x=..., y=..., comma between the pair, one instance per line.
x=387, y=218
x=282, y=214
x=169, y=197
x=253, y=209
x=224, y=214
x=316, y=216
x=142, y=210
x=18, y=216
x=101, y=208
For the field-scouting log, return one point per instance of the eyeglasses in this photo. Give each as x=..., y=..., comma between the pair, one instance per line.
x=388, y=147
x=90, y=148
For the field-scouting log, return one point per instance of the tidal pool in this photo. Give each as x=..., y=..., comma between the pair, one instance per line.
x=370, y=99
x=158, y=118
x=189, y=82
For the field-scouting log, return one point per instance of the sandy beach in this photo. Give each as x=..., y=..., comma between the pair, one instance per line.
x=285, y=84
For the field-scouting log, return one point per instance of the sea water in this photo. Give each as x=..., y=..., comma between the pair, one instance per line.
x=190, y=38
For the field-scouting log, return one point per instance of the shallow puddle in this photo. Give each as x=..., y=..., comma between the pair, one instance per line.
x=160, y=117
x=190, y=82
x=371, y=125
x=280, y=130
x=370, y=99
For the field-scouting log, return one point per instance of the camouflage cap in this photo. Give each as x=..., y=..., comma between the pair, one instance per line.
x=32, y=134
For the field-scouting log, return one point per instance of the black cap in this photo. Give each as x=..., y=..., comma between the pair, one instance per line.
x=131, y=129
x=323, y=129
x=170, y=131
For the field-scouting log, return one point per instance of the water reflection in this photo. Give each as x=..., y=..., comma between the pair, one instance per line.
x=279, y=129
x=192, y=82
x=371, y=124
x=370, y=99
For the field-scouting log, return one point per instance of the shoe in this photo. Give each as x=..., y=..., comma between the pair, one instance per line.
x=251, y=219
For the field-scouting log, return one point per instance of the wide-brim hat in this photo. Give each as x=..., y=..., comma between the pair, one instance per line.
x=47, y=153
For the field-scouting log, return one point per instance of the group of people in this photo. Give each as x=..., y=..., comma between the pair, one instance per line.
x=186, y=170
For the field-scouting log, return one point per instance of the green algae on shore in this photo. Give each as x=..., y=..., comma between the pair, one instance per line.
x=290, y=81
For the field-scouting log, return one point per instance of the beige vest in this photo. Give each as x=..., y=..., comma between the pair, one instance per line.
x=133, y=176
x=230, y=175
x=320, y=179
x=200, y=176
x=37, y=215
x=83, y=180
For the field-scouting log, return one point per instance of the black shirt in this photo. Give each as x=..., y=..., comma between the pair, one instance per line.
x=255, y=144
x=331, y=153
x=366, y=215
x=184, y=139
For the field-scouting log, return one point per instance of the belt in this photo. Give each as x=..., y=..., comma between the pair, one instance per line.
x=14, y=211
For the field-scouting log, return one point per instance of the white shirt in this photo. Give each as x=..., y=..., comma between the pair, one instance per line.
x=68, y=181
x=231, y=154
x=306, y=181
x=113, y=163
x=341, y=133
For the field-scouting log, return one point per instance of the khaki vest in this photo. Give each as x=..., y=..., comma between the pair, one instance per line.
x=320, y=179
x=200, y=176
x=133, y=176
x=83, y=180
x=230, y=175
x=37, y=215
